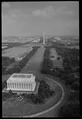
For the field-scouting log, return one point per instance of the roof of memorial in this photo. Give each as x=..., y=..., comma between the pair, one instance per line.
x=16, y=77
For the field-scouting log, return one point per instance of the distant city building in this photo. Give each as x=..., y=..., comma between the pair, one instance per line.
x=21, y=82
x=35, y=41
x=4, y=47
x=19, y=58
x=68, y=42
x=57, y=38
x=54, y=40
x=38, y=39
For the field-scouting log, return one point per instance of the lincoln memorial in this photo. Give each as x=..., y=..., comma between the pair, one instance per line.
x=21, y=82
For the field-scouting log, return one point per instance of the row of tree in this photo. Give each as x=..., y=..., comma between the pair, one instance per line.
x=6, y=61
x=47, y=64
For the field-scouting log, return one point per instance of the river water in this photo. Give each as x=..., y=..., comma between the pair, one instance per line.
x=34, y=63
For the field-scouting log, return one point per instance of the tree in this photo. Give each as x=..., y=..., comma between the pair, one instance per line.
x=70, y=110
x=14, y=69
x=75, y=86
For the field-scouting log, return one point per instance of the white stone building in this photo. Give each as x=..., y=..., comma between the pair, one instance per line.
x=58, y=38
x=21, y=82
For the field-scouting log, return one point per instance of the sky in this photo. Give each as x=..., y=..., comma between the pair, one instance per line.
x=34, y=18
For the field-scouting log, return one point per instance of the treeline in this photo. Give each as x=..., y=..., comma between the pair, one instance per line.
x=6, y=61
x=70, y=110
x=47, y=64
x=8, y=95
x=18, y=66
x=57, y=44
x=69, y=75
x=4, y=84
x=71, y=56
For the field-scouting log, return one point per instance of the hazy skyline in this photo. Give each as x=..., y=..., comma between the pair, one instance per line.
x=34, y=18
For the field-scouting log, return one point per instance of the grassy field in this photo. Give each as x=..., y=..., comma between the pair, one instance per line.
x=16, y=51
x=56, y=62
x=5, y=77
x=11, y=45
x=73, y=46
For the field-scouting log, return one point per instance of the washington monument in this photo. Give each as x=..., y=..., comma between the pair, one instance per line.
x=43, y=37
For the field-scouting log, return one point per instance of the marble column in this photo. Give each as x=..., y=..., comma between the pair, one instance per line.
x=11, y=85
x=27, y=86
x=14, y=85
x=30, y=85
x=17, y=85
x=7, y=85
x=22, y=85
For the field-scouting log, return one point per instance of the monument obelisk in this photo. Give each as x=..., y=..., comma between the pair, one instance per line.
x=43, y=37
